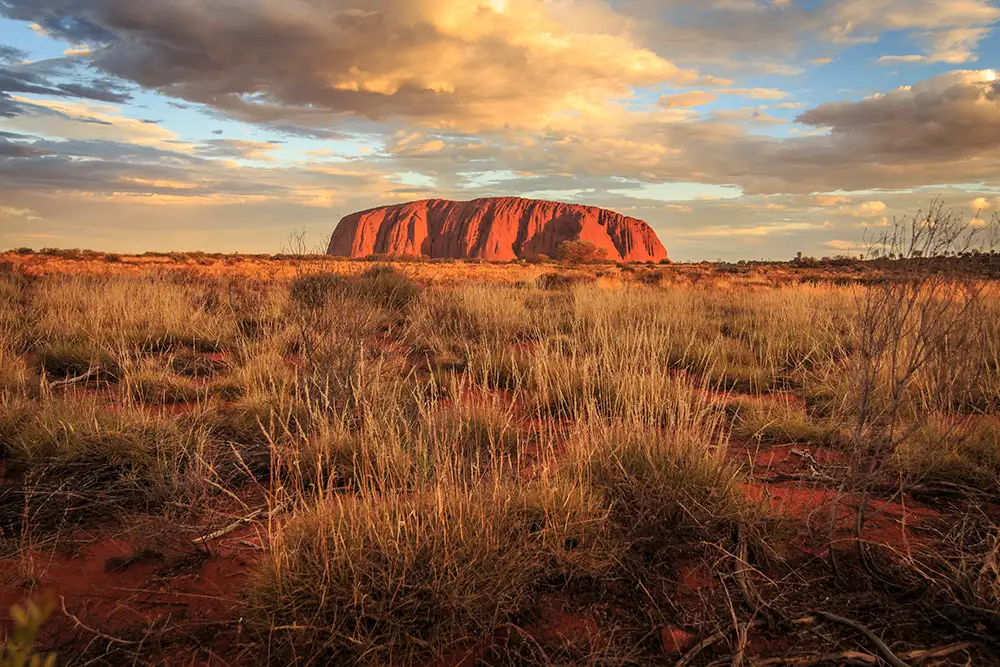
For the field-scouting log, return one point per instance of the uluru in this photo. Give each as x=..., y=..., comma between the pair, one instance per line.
x=497, y=228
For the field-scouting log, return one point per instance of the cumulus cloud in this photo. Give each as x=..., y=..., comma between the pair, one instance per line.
x=868, y=209
x=447, y=62
x=983, y=204
x=949, y=116
x=692, y=98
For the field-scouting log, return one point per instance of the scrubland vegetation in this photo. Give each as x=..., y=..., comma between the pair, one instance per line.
x=374, y=467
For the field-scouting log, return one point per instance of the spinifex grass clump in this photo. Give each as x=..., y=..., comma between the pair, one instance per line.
x=963, y=452
x=778, y=423
x=73, y=459
x=130, y=315
x=665, y=485
x=399, y=577
x=382, y=285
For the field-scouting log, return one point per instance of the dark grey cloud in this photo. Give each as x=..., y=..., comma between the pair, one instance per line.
x=9, y=54
x=8, y=107
x=65, y=19
x=17, y=149
x=44, y=78
x=951, y=116
x=101, y=90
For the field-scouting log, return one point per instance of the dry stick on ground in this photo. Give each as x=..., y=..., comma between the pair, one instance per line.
x=883, y=648
x=842, y=658
x=243, y=520
x=70, y=381
x=856, y=656
x=80, y=624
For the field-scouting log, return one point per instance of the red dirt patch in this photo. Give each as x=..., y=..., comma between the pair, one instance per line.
x=114, y=590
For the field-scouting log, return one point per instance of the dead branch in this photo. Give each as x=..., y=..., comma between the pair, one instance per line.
x=846, y=656
x=943, y=652
x=883, y=648
x=71, y=381
x=236, y=525
x=857, y=657
x=706, y=643
x=83, y=626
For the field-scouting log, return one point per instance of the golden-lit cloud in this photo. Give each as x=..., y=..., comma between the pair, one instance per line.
x=868, y=209
x=450, y=63
x=89, y=121
x=756, y=93
x=983, y=204
x=693, y=98
x=830, y=200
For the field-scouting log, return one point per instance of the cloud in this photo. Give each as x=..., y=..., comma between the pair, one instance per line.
x=951, y=115
x=765, y=36
x=87, y=121
x=829, y=200
x=9, y=54
x=943, y=130
x=756, y=93
x=892, y=60
x=868, y=209
x=17, y=149
x=43, y=78
x=982, y=204
x=768, y=229
x=240, y=149
x=24, y=213
x=846, y=246
x=444, y=62
x=693, y=98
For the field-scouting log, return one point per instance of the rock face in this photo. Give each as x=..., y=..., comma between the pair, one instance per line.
x=503, y=229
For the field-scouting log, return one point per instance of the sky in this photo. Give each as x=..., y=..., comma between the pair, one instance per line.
x=739, y=129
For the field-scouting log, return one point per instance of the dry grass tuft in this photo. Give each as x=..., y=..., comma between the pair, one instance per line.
x=391, y=579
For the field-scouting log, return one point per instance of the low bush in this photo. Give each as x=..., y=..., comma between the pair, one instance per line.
x=581, y=252
x=68, y=360
x=388, y=287
x=399, y=578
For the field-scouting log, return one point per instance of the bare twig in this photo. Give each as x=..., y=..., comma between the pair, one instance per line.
x=236, y=525
x=943, y=652
x=696, y=650
x=883, y=648
x=79, y=378
x=858, y=657
x=83, y=626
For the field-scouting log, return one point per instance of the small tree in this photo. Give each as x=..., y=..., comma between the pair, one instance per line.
x=581, y=252
x=916, y=322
